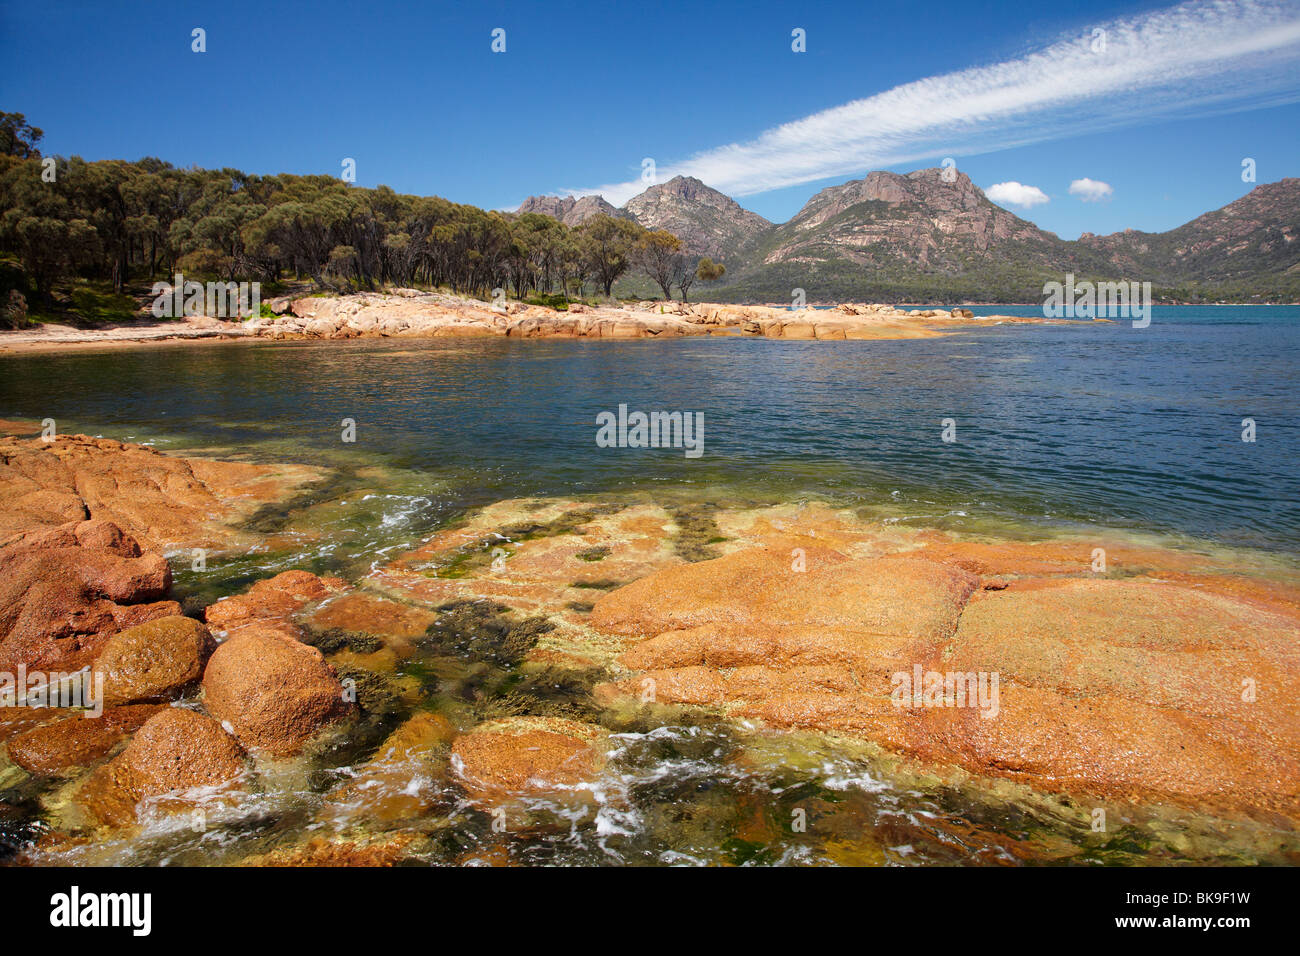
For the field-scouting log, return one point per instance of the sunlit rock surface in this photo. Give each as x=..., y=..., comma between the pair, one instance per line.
x=659, y=679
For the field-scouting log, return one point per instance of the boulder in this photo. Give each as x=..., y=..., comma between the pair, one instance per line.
x=153, y=661
x=78, y=740
x=274, y=692
x=178, y=749
x=175, y=750
x=64, y=590
x=526, y=756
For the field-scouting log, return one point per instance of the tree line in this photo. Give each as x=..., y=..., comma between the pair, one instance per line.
x=122, y=221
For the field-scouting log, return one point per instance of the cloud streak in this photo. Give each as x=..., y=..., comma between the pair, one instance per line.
x=1201, y=56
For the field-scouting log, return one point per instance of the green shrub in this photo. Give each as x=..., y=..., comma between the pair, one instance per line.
x=557, y=301
x=99, y=306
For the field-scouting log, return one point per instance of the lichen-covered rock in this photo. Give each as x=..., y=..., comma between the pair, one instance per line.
x=272, y=602
x=1120, y=687
x=153, y=661
x=159, y=500
x=274, y=692
x=176, y=750
x=527, y=756
x=65, y=590
x=78, y=740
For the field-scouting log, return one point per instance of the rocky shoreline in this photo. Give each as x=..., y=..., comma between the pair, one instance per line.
x=409, y=313
x=591, y=616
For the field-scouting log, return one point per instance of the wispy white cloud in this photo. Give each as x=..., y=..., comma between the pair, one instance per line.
x=1016, y=194
x=1091, y=190
x=1201, y=56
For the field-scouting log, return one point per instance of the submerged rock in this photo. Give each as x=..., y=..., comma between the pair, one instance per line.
x=388, y=850
x=417, y=737
x=275, y=692
x=16, y=720
x=526, y=756
x=366, y=630
x=398, y=783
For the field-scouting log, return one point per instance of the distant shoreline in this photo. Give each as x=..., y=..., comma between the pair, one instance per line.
x=434, y=315
x=410, y=313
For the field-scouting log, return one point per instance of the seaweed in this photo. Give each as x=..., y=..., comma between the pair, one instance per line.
x=697, y=530
x=332, y=639
x=380, y=710
x=480, y=631
x=476, y=554
x=548, y=691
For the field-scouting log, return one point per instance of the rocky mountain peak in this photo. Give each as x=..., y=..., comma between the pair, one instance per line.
x=570, y=210
x=922, y=187
x=709, y=222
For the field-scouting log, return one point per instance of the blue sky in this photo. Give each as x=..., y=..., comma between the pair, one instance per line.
x=1164, y=114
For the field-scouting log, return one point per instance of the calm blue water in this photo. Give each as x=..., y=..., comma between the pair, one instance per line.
x=1096, y=423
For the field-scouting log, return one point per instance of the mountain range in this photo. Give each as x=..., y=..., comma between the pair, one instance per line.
x=932, y=235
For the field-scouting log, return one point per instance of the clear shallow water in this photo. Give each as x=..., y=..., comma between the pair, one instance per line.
x=697, y=794
x=1057, y=427
x=1098, y=424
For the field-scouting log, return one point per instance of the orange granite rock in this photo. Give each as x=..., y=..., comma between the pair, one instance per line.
x=65, y=590
x=153, y=661
x=176, y=750
x=1122, y=686
x=514, y=757
x=78, y=740
x=272, y=603
x=160, y=500
x=274, y=692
